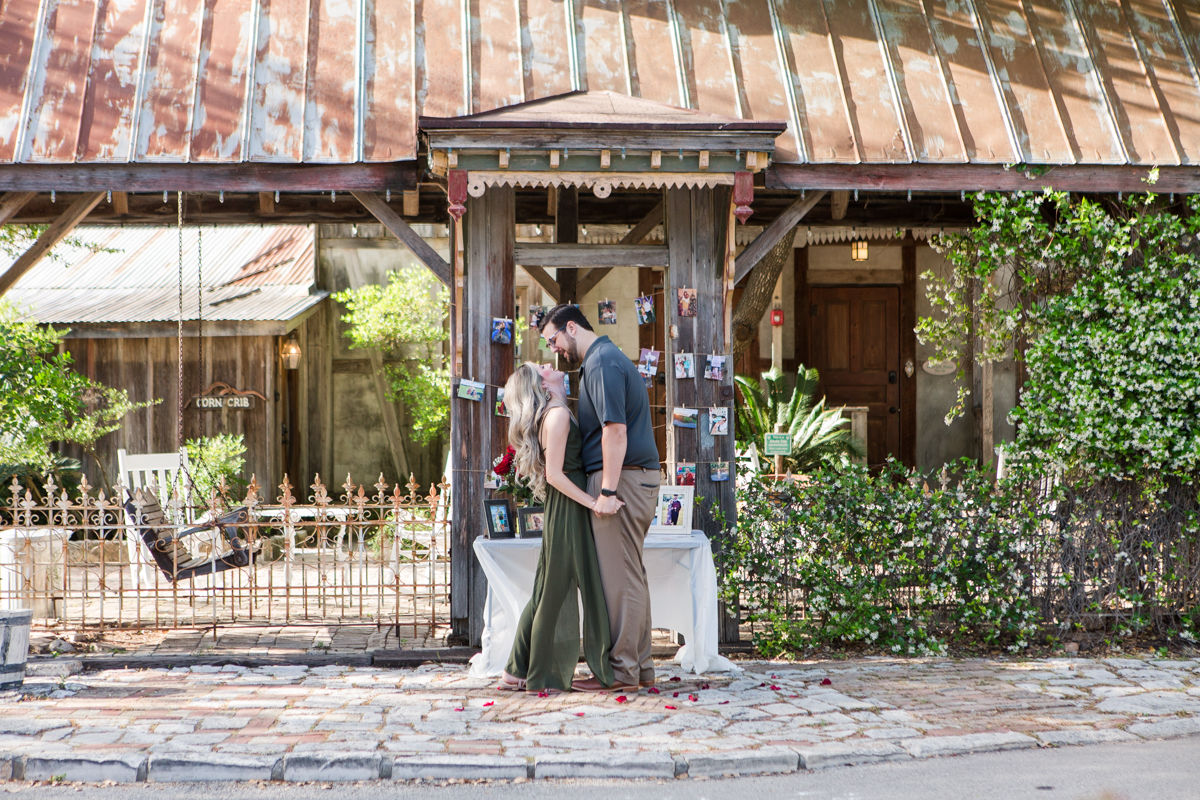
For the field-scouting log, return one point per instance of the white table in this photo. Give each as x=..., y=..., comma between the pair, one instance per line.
x=683, y=597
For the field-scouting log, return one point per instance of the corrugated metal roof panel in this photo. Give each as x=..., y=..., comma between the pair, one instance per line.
x=159, y=304
x=344, y=81
x=144, y=258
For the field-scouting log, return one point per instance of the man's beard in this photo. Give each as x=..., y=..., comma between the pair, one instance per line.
x=571, y=349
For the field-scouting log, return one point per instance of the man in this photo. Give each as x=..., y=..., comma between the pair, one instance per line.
x=621, y=460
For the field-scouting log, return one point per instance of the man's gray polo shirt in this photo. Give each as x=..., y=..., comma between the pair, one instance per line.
x=611, y=390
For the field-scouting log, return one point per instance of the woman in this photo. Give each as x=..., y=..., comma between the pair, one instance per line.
x=547, y=442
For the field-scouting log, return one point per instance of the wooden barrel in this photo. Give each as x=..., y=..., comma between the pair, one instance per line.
x=14, y=646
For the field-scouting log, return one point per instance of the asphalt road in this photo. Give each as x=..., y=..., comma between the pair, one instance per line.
x=1139, y=771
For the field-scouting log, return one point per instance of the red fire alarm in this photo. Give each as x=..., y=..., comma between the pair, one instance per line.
x=777, y=318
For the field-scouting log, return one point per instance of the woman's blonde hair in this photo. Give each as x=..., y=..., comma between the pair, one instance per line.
x=527, y=403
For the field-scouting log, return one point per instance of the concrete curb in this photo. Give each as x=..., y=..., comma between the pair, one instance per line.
x=185, y=767
x=92, y=767
x=341, y=766
x=606, y=765
x=391, y=659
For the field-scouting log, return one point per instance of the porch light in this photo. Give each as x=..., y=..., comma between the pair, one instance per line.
x=858, y=251
x=291, y=352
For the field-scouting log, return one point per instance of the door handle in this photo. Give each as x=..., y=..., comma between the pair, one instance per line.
x=892, y=376
x=893, y=410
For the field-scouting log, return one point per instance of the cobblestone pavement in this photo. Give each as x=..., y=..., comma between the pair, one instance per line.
x=344, y=723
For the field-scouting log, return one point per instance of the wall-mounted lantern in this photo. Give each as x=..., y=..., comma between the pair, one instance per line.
x=291, y=352
x=858, y=251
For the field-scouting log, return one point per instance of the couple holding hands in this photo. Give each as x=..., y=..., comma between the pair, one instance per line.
x=599, y=478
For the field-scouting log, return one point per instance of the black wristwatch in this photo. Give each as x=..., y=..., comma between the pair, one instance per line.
x=609, y=492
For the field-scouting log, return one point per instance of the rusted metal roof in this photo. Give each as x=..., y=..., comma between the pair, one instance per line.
x=114, y=275
x=344, y=81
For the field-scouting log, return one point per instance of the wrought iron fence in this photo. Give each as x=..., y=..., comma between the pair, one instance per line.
x=151, y=559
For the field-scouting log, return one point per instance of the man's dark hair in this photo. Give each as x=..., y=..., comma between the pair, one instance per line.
x=563, y=313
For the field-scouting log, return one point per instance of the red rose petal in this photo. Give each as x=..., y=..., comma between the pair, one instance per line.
x=671, y=708
x=693, y=698
x=621, y=698
x=676, y=679
x=774, y=688
x=826, y=682
x=489, y=703
x=705, y=686
x=723, y=703
x=460, y=709
x=652, y=690
x=675, y=694
x=579, y=713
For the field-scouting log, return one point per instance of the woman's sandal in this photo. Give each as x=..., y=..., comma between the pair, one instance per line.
x=510, y=683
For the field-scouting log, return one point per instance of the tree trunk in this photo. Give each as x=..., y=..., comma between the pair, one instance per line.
x=757, y=294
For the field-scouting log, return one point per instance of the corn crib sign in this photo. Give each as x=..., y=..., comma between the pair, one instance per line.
x=154, y=558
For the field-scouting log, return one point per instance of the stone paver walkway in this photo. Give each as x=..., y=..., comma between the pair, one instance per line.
x=339, y=723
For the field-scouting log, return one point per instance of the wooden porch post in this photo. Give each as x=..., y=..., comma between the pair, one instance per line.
x=476, y=433
x=697, y=226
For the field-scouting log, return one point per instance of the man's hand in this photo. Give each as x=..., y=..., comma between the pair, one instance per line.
x=606, y=506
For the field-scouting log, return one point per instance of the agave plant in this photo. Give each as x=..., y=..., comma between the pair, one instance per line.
x=820, y=436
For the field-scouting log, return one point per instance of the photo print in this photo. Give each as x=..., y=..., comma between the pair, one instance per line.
x=714, y=368
x=648, y=365
x=685, y=366
x=470, y=390
x=687, y=303
x=608, y=312
x=684, y=417
x=536, y=315
x=645, y=309
x=650, y=359
x=718, y=421
x=685, y=473
x=673, y=513
x=501, y=411
x=718, y=471
x=502, y=330
x=501, y=519
x=531, y=521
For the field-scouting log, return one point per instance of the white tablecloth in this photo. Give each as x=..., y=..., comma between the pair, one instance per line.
x=683, y=597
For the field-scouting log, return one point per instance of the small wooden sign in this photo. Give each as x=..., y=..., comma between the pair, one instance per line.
x=210, y=402
x=777, y=444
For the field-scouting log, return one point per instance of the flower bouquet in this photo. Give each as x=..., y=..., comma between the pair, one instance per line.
x=508, y=481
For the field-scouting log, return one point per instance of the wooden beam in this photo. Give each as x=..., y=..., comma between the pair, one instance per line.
x=591, y=255
x=266, y=202
x=767, y=240
x=635, y=236
x=544, y=280
x=243, y=177
x=987, y=177
x=12, y=202
x=404, y=232
x=838, y=203
x=908, y=351
x=566, y=231
x=57, y=231
x=120, y=203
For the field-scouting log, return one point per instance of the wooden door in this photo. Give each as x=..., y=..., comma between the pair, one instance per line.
x=856, y=348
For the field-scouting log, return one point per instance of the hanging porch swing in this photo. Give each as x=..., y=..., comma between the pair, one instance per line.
x=168, y=545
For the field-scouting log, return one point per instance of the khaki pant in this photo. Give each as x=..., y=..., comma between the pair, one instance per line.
x=619, y=541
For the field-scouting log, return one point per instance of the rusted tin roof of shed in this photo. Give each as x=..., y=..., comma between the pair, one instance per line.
x=344, y=81
x=249, y=272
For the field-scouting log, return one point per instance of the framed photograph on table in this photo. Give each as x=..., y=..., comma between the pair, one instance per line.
x=501, y=519
x=673, y=513
x=530, y=522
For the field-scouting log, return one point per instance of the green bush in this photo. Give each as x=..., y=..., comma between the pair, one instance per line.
x=882, y=560
x=213, y=458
